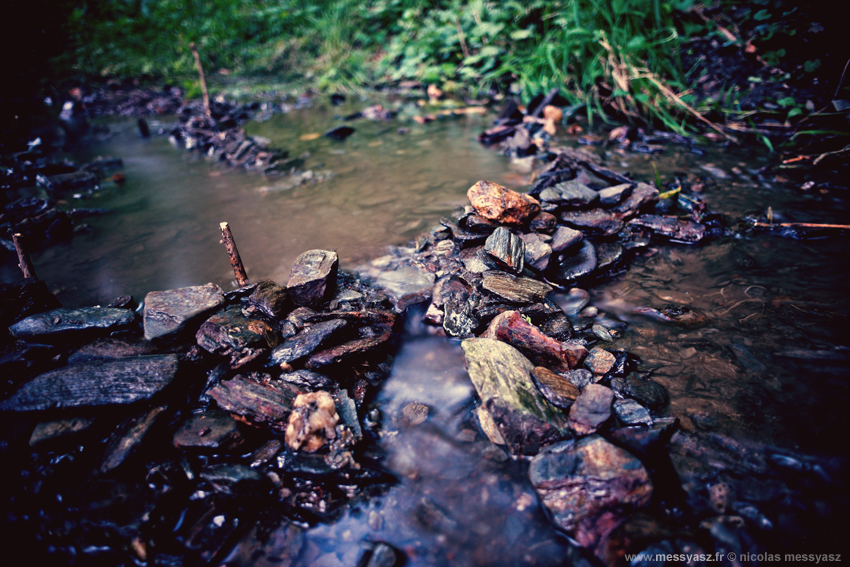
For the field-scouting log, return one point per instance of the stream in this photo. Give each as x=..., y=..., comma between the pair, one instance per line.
x=770, y=368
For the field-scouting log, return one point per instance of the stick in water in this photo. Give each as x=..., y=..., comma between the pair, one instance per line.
x=233, y=254
x=23, y=258
x=203, y=80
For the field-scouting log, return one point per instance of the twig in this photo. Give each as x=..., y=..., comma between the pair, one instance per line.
x=233, y=254
x=203, y=80
x=799, y=225
x=844, y=150
x=24, y=262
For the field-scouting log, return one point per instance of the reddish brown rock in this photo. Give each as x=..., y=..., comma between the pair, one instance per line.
x=510, y=327
x=500, y=204
x=257, y=398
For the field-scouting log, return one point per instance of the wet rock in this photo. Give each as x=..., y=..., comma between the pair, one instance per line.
x=345, y=352
x=576, y=266
x=110, y=349
x=510, y=327
x=459, y=319
x=339, y=133
x=24, y=298
x=307, y=380
x=558, y=327
x=48, y=431
x=406, y=284
x=589, y=484
x=571, y=194
x=270, y=299
x=312, y=422
x=523, y=417
x=128, y=437
x=672, y=228
x=631, y=412
x=557, y=389
x=65, y=323
x=166, y=313
x=515, y=289
x=211, y=429
x=647, y=392
x=262, y=547
x=579, y=378
x=230, y=333
x=77, y=181
x=613, y=195
x=608, y=255
x=313, y=277
x=235, y=478
x=591, y=409
x=507, y=249
x=600, y=361
x=381, y=555
x=479, y=224
x=543, y=222
x=306, y=342
x=642, y=197
x=502, y=205
x=679, y=315
x=565, y=237
x=95, y=383
x=257, y=398
x=596, y=222
x=537, y=251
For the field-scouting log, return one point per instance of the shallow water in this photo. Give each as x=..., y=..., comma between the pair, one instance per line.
x=770, y=366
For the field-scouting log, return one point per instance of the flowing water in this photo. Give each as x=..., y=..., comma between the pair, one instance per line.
x=771, y=366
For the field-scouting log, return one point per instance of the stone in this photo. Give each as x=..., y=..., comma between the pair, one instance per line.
x=95, y=383
x=265, y=547
x=565, y=237
x=128, y=438
x=479, y=224
x=543, y=222
x=576, y=266
x=230, y=330
x=507, y=249
x=405, y=283
x=339, y=133
x=166, y=313
x=572, y=193
x=65, y=323
x=515, y=289
x=537, y=252
x=306, y=342
x=510, y=327
x=270, y=299
x=108, y=348
x=48, y=431
x=589, y=484
x=77, y=181
x=211, y=429
x=671, y=228
x=312, y=422
x=642, y=197
x=579, y=378
x=557, y=389
x=600, y=361
x=502, y=205
x=613, y=195
x=525, y=419
x=313, y=277
x=591, y=409
x=647, y=392
x=596, y=222
x=24, y=298
x=257, y=398
x=307, y=380
x=344, y=353
x=459, y=319
x=608, y=255
x=631, y=412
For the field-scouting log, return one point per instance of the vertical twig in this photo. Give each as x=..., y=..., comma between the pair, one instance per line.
x=233, y=254
x=203, y=80
x=24, y=262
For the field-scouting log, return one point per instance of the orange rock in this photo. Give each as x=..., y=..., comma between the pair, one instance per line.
x=500, y=204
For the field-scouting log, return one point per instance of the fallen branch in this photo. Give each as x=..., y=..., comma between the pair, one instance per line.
x=24, y=262
x=842, y=151
x=203, y=80
x=758, y=224
x=233, y=254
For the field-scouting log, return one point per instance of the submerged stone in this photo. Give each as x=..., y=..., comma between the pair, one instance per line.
x=502, y=205
x=591, y=409
x=673, y=228
x=65, y=322
x=586, y=484
x=507, y=249
x=523, y=417
x=313, y=277
x=95, y=383
x=166, y=313
x=631, y=412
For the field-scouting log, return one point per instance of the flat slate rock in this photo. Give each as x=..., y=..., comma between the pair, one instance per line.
x=672, y=228
x=270, y=299
x=576, y=266
x=305, y=342
x=557, y=389
x=570, y=193
x=211, y=429
x=128, y=438
x=95, y=383
x=591, y=409
x=313, y=277
x=507, y=249
x=257, y=397
x=65, y=322
x=596, y=222
x=166, y=313
x=404, y=282
x=230, y=329
x=502, y=377
x=613, y=195
x=502, y=205
x=641, y=197
x=588, y=483
x=564, y=237
x=537, y=251
x=515, y=289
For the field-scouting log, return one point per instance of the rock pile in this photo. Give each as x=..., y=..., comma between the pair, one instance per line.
x=230, y=403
